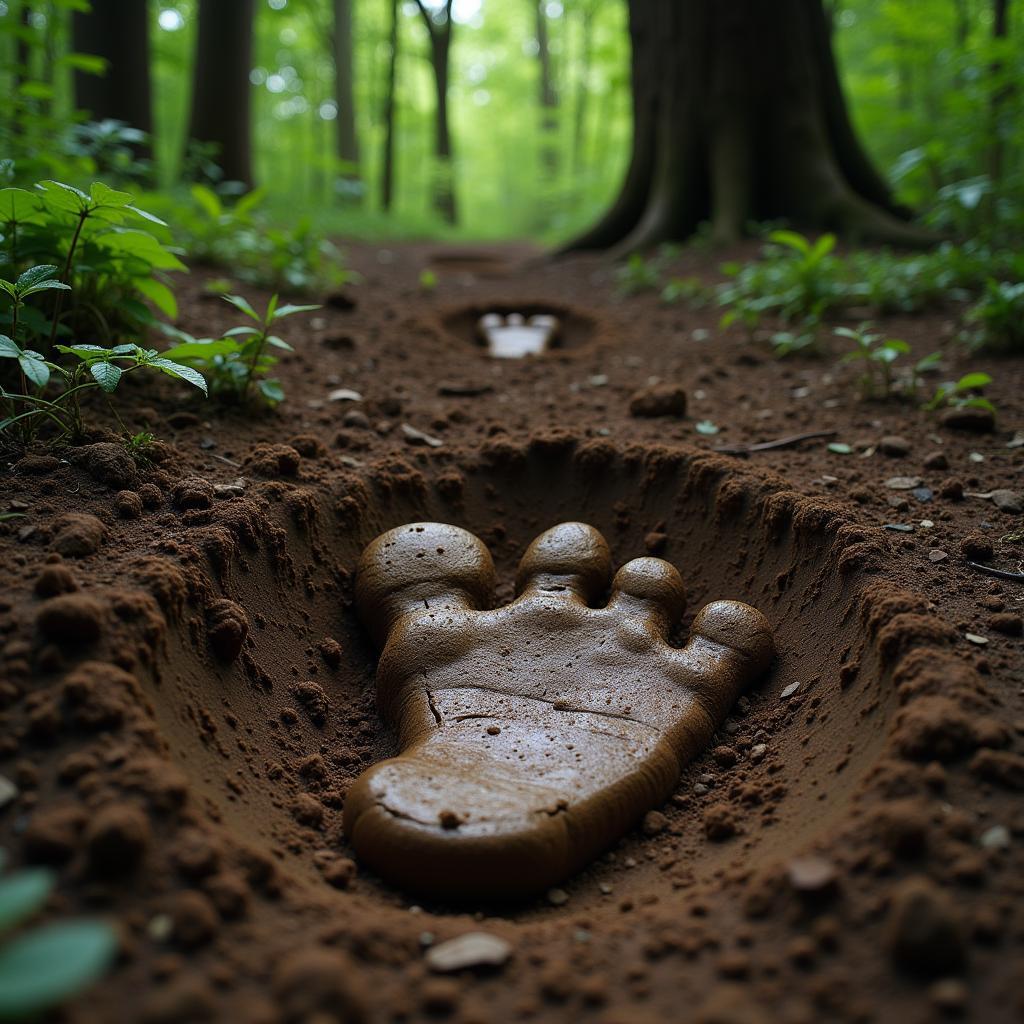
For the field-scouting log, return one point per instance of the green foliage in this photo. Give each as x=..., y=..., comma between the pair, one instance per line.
x=239, y=361
x=638, y=275
x=91, y=367
x=428, y=281
x=42, y=967
x=878, y=356
x=690, y=290
x=963, y=393
x=241, y=238
x=110, y=149
x=999, y=318
x=108, y=259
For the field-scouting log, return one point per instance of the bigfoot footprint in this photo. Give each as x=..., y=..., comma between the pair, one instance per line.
x=514, y=336
x=536, y=734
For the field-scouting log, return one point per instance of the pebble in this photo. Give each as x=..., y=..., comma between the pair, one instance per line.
x=1008, y=501
x=474, y=949
x=894, y=446
x=903, y=483
x=654, y=823
x=8, y=791
x=898, y=527
x=344, y=395
x=558, y=897
x=417, y=437
x=923, y=494
x=757, y=752
x=995, y=838
x=811, y=874
x=789, y=690
x=605, y=888
x=937, y=555
x=937, y=460
x=234, y=489
x=975, y=638
x=894, y=501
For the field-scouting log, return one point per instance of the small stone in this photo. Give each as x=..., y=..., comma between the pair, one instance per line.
x=937, y=555
x=234, y=489
x=898, y=527
x=995, y=838
x=936, y=460
x=725, y=757
x=903, y=483
x=758, y=752
x=924, y=933
x=895, y=502
x=789, y=690
x=654, y=823
x=659, y=400
x=8, y=792
x=951, y=489
x=558, y=897
x=344, y=395
x=812, y=874
x=977, y=547
x=474, y=949
x=975, y=638
x=1008, y=501
x=894, y=446
x=969, y=419
x=356, y=418
x=923, y=494
x=719, y=822
x=417, y=437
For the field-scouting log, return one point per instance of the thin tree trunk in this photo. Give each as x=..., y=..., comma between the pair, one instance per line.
x=738, y=116
x=582, y=86
x=548, y=97
x=440, y=33
x=117, y=31
x=1000, y=94
x=344, y=93
x=387, y=177
x=23, y=49
x=221, y=94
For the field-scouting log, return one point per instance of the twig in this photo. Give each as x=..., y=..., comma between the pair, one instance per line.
x=999, y=574
x=222, y=458
x=782, y=442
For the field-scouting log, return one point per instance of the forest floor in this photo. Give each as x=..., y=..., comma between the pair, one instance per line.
x=187, y=696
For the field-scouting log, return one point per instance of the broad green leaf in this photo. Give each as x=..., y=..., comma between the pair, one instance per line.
x=22, y=894
x=45, y=286
x=792, y=240
x=104, y=195
x=823, y=246
x=36, y=90
x=846, y=332
x=159, y=294
x=106, y=375
x=34, y=275
x=241, y=303
x=140, y=245
x=249, y=202
x=290, y=310
x=897, y=346
x=979, y=403
x=84, y=351
x=182, y=372
x=8, y=287
x=146, y=215
x=58, y=196
x=17, y=204
x=272, y=391
x=971, y=381
x=200, y=350
x=8, y=349
x=84, y=62
x=277, y=342
x=208, y=200
x=34, y=367
x=45, y=966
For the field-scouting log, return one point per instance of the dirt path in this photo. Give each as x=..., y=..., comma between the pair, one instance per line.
x=186, y=695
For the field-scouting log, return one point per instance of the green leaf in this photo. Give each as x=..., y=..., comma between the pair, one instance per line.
x=45, y=286
x=208, y=200
x=36, y=90
x=706, y=427
x=792, y=240
x=9, y=288
x=44, y=967
x=241, y=303
x=34, y=275
x=85, y=352
x=22, y=894
x=201, y=350
x=84, y=62
x=65, y=198
x=104, y=195
x=290, y=310
x=277, y=342
x=978, y=403
x=271, y=308
x=140, y=245
x=107, y=375
x=146, y=215
x=249, y=202
x=972, y=381
x=272, y=391
x=239, y=332
x=182, y=372
x=158, y=293
x=837, y=448
x=823, y=246
x=17, y=204
x=33, y=365
x=8, y=348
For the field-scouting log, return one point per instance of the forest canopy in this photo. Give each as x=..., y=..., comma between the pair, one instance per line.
x=538, y=106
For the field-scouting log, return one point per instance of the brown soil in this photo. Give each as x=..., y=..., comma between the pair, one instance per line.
x=187, y=695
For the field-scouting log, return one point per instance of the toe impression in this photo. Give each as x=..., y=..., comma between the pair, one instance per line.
x=570, y=558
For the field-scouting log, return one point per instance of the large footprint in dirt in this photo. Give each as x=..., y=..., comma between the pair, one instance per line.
x=533, y=735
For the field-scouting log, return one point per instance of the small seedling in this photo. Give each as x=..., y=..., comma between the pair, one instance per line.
x=638, y=275
x=42, y=967
x=785, y=343
x=878, y=355
x=241, y=359
x=428, y=281
x=962, y=394
x=999, y=317
x=690, y=290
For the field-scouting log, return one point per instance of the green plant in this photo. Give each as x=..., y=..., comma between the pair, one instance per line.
x=690, y=290
x=242, y=358
x=878, y=355
x=93, y=367
x=638, y=275
x=785, y=343
x=999, y=316
x=961, y=394
x=110, y=263
x=42, y=967
x=111, y=148
x=428, y=281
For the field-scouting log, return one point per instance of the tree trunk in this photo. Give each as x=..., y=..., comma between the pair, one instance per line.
x=439, y=28
x=117, y=31
x=548, y=97
x=582, y=85
x=387, y=164
x=1000, y=94
x=344, y=93
x=221, y=93
x=739, y=116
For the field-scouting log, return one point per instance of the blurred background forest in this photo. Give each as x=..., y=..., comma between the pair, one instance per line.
x=539, y=109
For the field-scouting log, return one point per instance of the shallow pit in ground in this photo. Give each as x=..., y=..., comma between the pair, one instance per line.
x=575, y=329
x=274, y=739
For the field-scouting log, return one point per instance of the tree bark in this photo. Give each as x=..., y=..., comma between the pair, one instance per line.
x=117, y=31
x=1000, y=94
x=739, y=116
x=582, y=85
x=387, y=164
x=221, y=92
x=548, y=97
x=344, y=93
x=439, y=29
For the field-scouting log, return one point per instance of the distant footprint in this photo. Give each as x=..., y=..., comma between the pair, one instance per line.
x=513, y=336
x=536, y=734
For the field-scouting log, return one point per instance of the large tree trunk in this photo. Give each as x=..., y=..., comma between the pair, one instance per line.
x=586, y=15
x=548, y=97
x=739, y=116
x=387, y=164
x=221, y=90
x=1000, y=95
x=117, y=31
x=344, y=93
x=439, y=28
